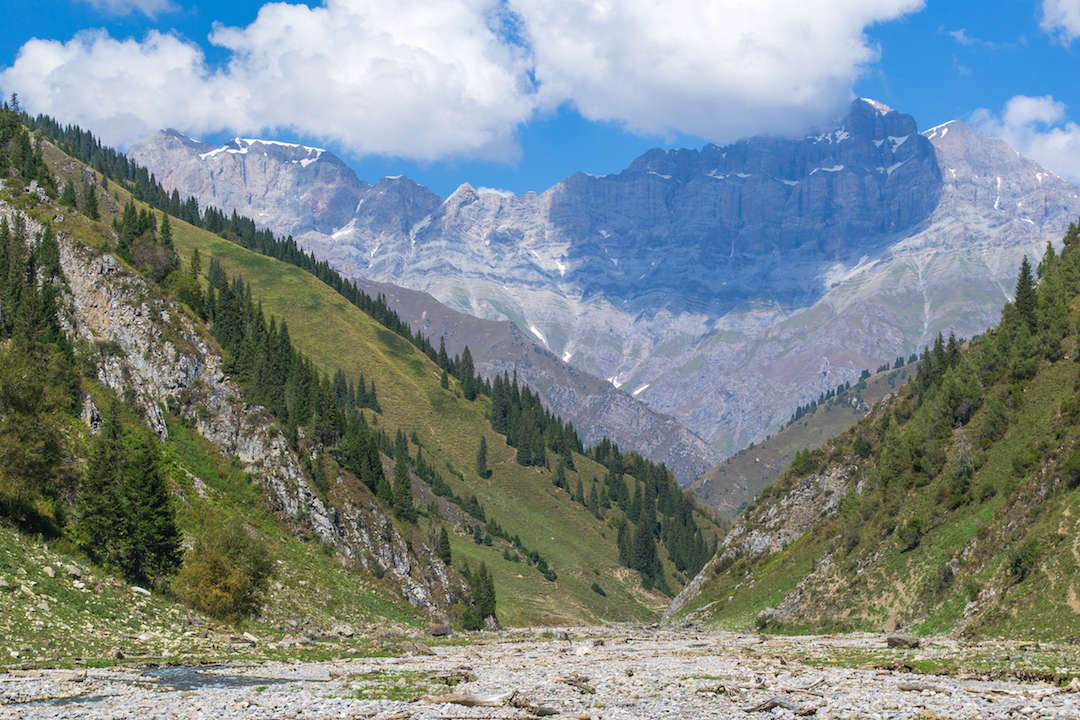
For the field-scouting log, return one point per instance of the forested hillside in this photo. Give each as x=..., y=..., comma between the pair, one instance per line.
x=952, y=507
x=235, y=408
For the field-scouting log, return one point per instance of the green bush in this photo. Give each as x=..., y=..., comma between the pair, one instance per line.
x=226, y=573
x=1070, y=471
x=862, y=447
x=910, y=534
x=598, y=590
x=1022, y=560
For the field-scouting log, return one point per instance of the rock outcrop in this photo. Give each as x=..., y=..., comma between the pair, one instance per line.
x=155, y=355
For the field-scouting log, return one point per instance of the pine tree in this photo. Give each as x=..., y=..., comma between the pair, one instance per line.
x=1026, y=300
x=196, y=264
x=165, y=233
x=442, y=549
x=467, y=374
x=67, y=197
x=90, y=203
x=153, y=539
x=401, y=490
x=559, y=478
x=481, y=459
x=444, y=380
x=99, y=504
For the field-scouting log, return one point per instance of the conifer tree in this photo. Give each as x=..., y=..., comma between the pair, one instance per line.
x=443, y=546
x=99, y=503
x=153, y=539
x=1026, y=299
x=90, y=203
x=401, y=497
x=468, y=375
x=165, y=232
x=67, y=197
x=481, y=459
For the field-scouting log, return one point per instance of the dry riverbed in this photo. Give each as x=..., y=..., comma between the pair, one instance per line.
x=616, y=672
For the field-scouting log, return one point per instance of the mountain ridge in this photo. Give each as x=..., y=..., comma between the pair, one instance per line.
x=794, y=319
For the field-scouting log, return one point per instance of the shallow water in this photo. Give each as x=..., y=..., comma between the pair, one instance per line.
x=174, y=679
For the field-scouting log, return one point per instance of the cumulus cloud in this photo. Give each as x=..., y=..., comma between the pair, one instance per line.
x=428, y=79
x=1037, y=127
x=150, y=8
x=1061, y=18
x=722, y=69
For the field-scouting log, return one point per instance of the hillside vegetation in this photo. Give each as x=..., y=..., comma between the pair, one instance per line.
x=561, y=535
x=953, y=507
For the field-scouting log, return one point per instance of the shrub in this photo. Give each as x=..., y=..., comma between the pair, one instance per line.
x=226, y=573
x=598, y=590
x=1070, y=471
x=910, y=534
x=1022, y=560
x=805, y=462
x=862, y=447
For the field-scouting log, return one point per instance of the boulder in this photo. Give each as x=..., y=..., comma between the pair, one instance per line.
x=439, y=630
x=902, y=641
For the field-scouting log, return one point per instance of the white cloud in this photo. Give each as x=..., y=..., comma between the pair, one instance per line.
x=1061, y=18
x=721, y=69
x=434, y=78
x=150, y=8
x=1038, y=128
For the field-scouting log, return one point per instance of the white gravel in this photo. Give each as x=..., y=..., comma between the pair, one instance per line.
x=634, y=673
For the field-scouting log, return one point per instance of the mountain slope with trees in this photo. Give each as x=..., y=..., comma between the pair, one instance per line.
x=190, y=336
x=952, y=507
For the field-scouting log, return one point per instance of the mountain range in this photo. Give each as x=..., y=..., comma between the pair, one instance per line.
x=723, y=286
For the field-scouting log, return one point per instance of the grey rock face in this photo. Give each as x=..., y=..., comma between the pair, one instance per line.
x=725, y=286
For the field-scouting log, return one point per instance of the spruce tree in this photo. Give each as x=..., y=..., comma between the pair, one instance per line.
x=443, y=547
x=481, y=459
x=67, y=197
x=153, y=540
x=1026, y=300
x=401, y=490
x=467, y=374
x=165, y=232
x=99, y=504
x=90, y=203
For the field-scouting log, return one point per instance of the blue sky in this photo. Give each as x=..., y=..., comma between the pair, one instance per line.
x=515, y=94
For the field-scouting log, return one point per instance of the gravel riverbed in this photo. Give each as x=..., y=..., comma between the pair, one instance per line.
x=583, y=673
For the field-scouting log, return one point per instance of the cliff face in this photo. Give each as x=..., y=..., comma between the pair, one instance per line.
x=157, y=356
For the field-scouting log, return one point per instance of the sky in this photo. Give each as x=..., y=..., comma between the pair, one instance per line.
x=518, y=94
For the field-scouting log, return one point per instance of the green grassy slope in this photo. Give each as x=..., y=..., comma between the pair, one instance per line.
x=335, y=334
x=950, y=521
x=730, y=486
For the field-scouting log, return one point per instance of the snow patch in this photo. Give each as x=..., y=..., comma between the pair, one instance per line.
x=839, y=273
x=882, y=108
x=659, y=175
x=494, y=191
x=892, y=168
x=640, y=390
x=788, y=182
x=614, y=380
x=834, y=168
x=536, y=331
x=898, y=141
